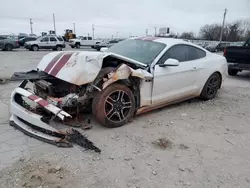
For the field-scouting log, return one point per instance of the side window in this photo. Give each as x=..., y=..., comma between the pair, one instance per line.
x=84, y=38
x=2, y=38
x=179, y=52
x=52, y=39
x=59, y=38
x=89, y=38
x=195, y=53
x=45, y=39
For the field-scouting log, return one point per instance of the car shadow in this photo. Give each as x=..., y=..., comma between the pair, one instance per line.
x=245, y=75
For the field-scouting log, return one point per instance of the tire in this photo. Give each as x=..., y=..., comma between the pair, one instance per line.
x=109, y=108
x=78, y=45
x=211, y=87
x=34, y=48
x=232, y=72
x=58, y=48
x=72, y=47
x=8, y=47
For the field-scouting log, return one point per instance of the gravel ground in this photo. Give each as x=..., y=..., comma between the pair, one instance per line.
x=191, y=144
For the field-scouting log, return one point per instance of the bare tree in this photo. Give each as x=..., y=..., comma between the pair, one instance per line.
x=187, y=35
x=210, y=32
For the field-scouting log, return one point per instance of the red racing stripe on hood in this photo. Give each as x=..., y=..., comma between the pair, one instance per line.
x=53, y=62
x=60, y=64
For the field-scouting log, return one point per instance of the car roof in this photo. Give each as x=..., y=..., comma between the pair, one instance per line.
x=167, y=41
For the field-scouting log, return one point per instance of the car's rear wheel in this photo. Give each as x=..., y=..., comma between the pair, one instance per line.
x=72, y=47
x=59, y=48
x=34, y=48
x=114, y=106
x=77, y=45
x=8, y=47
x=232, y=72
x=211, y=87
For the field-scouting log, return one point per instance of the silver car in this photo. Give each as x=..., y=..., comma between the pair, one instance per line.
x=46, y=42
x=8, y=44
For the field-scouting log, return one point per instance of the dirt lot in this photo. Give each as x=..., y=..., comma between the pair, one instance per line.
x=191, y=144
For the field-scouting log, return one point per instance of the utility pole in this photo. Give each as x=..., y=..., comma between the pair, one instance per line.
x=74, y=26
x=93, y=31
x=146, y=32
x=155, y=31
x=31, y=28
x=223, y=23
x=54, y=21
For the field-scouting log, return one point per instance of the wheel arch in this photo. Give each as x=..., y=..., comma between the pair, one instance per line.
x=217, y=72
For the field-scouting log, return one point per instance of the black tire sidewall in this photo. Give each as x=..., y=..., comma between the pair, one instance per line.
x=9, y=47
x=98, y=105
x=77, y=45
x=232, y=72
x=33, y=48
x=59, y=48
x=204, y=95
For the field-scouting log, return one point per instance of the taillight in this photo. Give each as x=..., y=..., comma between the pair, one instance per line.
x=225, y=52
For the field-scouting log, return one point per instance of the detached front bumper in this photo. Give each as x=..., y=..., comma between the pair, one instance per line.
x=30, y=122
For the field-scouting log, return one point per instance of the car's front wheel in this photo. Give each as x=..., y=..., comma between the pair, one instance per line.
x=211, y=87
x=232, y=72
x=77, y=45
x=34, y=48
x=8, y=47
x=58, y=48
x=114, y=106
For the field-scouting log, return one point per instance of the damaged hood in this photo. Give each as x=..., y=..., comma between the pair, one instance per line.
x=78, y=68
x=74, y=67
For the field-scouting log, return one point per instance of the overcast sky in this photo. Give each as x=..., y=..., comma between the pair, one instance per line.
x=124, y=17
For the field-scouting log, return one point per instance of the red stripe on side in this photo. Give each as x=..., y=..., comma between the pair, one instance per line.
x=53, y=62
x=60, y=64
x=33, y=97
x=43, y=103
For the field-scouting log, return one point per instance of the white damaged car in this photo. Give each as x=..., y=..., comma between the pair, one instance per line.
x=135, y=76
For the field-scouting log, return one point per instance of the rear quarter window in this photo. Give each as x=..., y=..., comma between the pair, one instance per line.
x=195, y=53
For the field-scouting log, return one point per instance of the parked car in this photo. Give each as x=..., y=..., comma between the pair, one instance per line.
x=8, y=44
x=84, y=41
x=46, y=42
x=238, y=58
x=217, y=47
x=132, y=77
x=105, y=43
x=26, y=39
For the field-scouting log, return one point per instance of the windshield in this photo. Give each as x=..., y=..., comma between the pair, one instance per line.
x=139, y=50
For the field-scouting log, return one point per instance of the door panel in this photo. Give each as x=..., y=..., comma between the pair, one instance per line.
x=43, y=43
x=172, y=83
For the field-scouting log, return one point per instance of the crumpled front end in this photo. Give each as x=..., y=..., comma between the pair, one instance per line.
x=34, y=115
x=24, y=117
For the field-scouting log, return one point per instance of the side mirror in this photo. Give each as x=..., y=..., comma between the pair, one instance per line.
x=103, y=49
x=170, y=62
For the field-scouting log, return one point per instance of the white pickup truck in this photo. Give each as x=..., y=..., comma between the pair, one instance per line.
x=83, y=41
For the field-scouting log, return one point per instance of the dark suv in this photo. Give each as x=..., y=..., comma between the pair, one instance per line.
x=26, y=39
